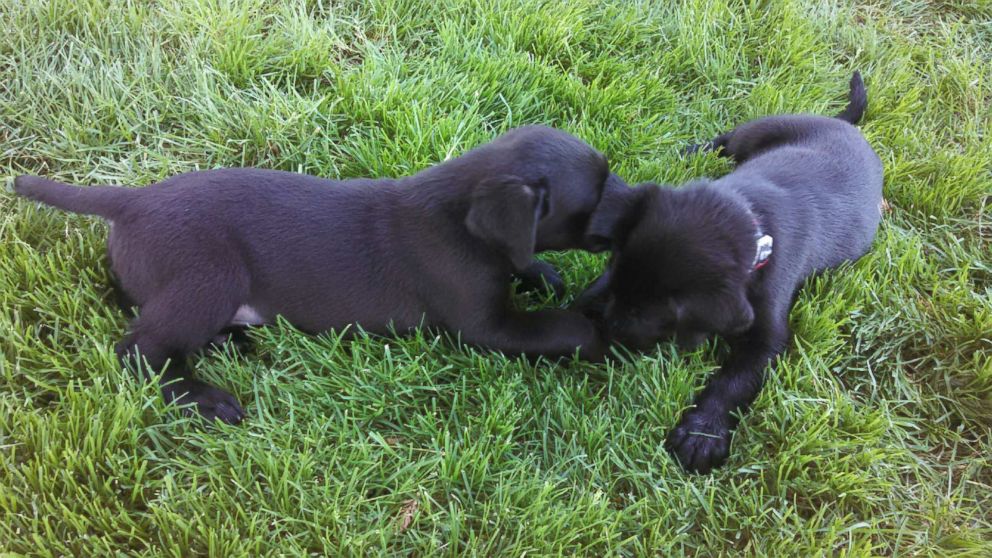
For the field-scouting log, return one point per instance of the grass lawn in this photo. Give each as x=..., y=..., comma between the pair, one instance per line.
x=873, y=437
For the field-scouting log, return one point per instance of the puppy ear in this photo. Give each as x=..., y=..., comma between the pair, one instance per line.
x=504, y=213
x=613, y=216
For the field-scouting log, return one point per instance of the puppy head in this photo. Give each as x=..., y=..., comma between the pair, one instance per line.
x=681, y=264
x=575, y=175
x=504, y=212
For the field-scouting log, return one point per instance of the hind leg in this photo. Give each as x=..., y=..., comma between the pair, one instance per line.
x=176, y=322
x=124, y=301
x=757, y=136
x=121, y=298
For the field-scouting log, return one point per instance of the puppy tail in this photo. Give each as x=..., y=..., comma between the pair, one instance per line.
x=105, y=201
x=858, y=101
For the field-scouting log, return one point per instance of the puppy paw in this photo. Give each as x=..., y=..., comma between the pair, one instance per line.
x=551, y=284
x=700, y=441
x=593, y=351
x=205, y=400
x=542, y=278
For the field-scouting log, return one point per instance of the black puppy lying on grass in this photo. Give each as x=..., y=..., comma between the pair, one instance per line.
x=207, y=250
x=727, y=256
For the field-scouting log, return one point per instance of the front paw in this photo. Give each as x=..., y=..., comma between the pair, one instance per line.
x=552, y=284
x=701, y=440
x=541, y=278
x=593, y=350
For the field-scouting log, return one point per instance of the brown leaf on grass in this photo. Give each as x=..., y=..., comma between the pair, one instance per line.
x=405, y=517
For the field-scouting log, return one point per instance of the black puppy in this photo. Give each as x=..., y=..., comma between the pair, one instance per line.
x=206, y=250
x=727, y=256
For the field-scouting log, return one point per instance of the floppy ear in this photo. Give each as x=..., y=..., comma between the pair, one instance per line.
x=504, y=213
x=614, y=214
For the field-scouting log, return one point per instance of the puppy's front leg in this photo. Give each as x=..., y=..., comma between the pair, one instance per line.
x=547, y=333
x=701, y=440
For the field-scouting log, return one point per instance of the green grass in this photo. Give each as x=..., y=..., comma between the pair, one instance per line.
x=873, y=437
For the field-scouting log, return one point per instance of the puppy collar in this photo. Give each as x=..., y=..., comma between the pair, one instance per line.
x=762, y=247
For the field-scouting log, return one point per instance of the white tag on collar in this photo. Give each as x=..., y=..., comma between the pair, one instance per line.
x=762, y=252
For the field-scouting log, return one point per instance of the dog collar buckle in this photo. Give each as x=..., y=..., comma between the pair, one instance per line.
x=763, y=251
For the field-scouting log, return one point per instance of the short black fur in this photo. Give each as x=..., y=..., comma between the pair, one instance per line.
x=683, y=265
x=203, y=253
